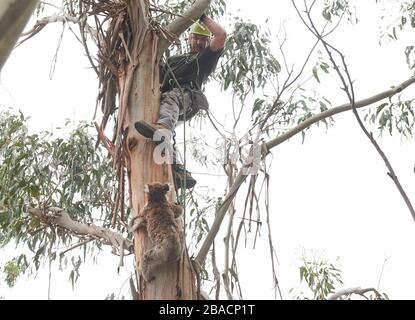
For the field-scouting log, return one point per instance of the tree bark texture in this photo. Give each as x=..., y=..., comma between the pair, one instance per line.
x=14, y=15
x=140, y=100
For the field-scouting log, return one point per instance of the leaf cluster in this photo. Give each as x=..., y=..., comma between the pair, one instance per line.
x=395, y=114
x=248, y=62
x=42, y=170
x=338, y=8
x=321, y=277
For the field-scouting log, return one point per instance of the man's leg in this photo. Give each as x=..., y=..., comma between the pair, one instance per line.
x=169, y=113
x=171, y=103
x=183, y=177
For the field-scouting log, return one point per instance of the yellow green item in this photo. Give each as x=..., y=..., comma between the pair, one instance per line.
x=197, y=28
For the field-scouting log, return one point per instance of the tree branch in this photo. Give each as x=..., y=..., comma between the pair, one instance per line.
x=79, y=244
x=181, y=23
x=41, y=23
x=240, y=178
x=342, y=108
x=348, y=87
x=356, y=290
x=220, y=214
x=14, y=15
x=61, y=218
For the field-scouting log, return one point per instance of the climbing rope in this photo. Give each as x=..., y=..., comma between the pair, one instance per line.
x=182, y=181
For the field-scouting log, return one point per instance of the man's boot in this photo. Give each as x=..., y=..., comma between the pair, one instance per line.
x=156, y=132
x=180, y=174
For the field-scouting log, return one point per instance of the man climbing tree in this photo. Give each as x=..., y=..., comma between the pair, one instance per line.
x=181, y=89
x=62, y=195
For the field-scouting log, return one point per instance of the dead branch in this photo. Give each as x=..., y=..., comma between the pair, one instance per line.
x=240, y=178
x=59, y=217
x=107, y=142
x=41, y=23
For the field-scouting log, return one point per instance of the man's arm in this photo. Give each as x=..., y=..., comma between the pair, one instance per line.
x=219, y=34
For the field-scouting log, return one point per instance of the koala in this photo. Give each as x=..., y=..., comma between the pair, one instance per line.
x=159, y=217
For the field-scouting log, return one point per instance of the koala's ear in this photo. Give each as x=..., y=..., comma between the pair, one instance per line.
x=166, y=187
x=146, y=188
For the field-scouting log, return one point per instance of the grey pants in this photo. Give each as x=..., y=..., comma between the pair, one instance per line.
x=172, y=104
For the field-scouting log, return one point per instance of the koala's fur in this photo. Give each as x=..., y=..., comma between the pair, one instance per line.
x=159, y=217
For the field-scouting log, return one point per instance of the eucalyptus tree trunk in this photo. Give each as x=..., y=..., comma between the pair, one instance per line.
x=140, y=96
x=14, y=15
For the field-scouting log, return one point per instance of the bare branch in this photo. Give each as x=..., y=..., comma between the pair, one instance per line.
x=357, y=290
x=342, y=108
x=40, y=24
x=240, y=178
x=348, y=88
x=204, y=249
x=61, y=218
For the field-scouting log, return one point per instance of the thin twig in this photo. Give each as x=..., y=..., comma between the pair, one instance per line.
x=240, y=178
x=381, y=272
x=349, y=90
x=79, y=244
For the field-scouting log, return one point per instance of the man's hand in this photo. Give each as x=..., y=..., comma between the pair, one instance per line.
x=219, y=34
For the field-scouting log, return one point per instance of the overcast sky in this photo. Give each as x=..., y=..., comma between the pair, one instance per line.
x=330, y=195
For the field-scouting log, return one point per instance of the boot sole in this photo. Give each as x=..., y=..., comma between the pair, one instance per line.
x=147, y=131
x=144, y=129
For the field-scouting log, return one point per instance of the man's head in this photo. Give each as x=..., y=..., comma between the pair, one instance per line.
x=199, y=37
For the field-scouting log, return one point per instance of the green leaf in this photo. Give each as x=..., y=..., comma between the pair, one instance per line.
x=326, y=15
x=325, y=67
x=257, y=105
x=381, y=107
x=226, y=83
x=315, y=74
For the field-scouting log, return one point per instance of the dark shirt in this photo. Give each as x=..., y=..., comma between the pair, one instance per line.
x=190, y=69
